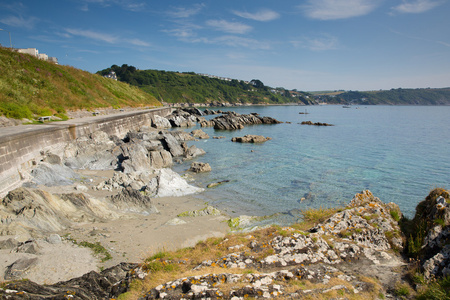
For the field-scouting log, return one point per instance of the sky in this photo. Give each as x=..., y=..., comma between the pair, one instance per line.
x=308, y=45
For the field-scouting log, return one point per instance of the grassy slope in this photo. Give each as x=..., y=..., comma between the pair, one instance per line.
x=31, y=87
x=175, y=87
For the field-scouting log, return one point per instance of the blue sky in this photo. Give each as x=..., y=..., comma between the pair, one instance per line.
x=307, y=45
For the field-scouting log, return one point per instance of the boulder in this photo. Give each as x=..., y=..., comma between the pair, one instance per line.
x=160, y=159
x=193, y=151
x=19, y=267
x=160, y=122
x=171, y=184
x=198, y=133
x=108, y=284
x=251, y=139
x=171, y=144
x=199, y=167
x=136, y=158
x=131, y=200
x=315, y=124
x=53, y=174
x=232, y=121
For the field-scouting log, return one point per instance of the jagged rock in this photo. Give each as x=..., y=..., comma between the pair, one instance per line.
x=432, y=219
x=91, y=153
x=170, y=184
x=29, y=246
x=160, y=122
x=8, y=244
x=52, y=159
x=19, y=267
x=172, y=145
x=182, y=136
x=136, y=158
x=232, y=120
x=198, y=133
x=53, y=174
x=160, y=159
x=199, y=167
x=108, y=284
x=315, y=124
x=193, y=151
x=132, y=200
x=207, y=211
x=208, y=112
x=251, y=139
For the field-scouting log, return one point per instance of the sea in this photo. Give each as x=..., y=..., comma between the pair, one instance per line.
x=399, y=153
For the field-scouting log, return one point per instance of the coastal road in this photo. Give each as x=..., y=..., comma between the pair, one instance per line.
x=8, y=132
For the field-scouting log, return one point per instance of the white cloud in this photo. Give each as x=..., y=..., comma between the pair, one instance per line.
x=338, y=9
x=230, y=27
x=317, y=43
x=102, y=37
x=14, y=21
x=131, y=5
x=416, y=6
x=263, y=15
x=107, y=38
x=183, y=12
x=240, y=42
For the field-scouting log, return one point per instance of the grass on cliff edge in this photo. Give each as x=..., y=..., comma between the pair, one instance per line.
x=31, y=87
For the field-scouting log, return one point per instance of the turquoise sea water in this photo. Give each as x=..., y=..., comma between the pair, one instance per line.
x=398, y=152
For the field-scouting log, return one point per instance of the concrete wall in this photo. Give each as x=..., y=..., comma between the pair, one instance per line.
x=24, y=146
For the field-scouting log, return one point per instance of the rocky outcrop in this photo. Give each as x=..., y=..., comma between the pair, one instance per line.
x=198, y=133
x=107, y=284
x=199, y=167
x=249, y=138
x=316, y=123
x=331, y=255
x=430, y=239
x=131, y=200
x=232, y=121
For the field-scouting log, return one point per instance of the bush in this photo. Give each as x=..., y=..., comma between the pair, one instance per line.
x=16, y=111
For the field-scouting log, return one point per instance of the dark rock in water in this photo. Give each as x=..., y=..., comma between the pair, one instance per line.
x=193, y=151
x=209, y=112
x=20, y=266
x=251, y=139
x=193, y=111
x=199, y=167
x=214, y=184
x=232, y=121
x=315, y=124
x=108, y=284
x=198, y=133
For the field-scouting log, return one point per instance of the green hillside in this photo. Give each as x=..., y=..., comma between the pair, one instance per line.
x=390, y=97
x=174, y=87
x=30, y=87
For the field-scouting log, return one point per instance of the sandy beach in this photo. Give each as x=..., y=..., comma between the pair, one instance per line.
x=130, y=238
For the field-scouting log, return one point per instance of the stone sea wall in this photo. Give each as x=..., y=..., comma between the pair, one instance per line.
x=19, y=151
